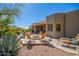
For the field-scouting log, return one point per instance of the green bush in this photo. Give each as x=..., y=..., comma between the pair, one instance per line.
x=9, y=45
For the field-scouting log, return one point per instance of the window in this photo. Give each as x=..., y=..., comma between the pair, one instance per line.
x=49, y=26
x=58, y=27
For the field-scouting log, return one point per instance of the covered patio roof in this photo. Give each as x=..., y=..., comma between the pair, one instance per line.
x=39, y=23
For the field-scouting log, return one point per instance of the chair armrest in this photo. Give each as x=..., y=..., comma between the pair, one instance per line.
x=66, y=40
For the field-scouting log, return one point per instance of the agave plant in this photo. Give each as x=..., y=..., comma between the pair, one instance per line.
x=8, y=46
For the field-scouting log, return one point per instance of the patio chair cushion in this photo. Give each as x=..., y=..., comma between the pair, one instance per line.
x=74, y=41
x=24, y=41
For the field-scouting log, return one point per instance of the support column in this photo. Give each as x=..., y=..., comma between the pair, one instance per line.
x=34, y=29
x=44, y=28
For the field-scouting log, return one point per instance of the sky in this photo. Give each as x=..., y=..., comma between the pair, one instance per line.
x=35, y=12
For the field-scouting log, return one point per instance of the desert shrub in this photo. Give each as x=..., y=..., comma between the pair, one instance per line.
x=8, y=45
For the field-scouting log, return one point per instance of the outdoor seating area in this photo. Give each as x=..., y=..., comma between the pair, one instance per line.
x=54, y=43
x=41, y=39
x=71, y=41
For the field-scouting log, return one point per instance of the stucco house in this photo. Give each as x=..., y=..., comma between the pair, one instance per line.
x=40, y=26
x=59, y=24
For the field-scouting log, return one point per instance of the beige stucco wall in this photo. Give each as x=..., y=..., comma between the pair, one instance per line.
x=72, y=23
x=50, y=20
x=57, y=18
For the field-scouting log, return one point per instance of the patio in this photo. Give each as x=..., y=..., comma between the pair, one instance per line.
x=39, y=48
x=43, y=50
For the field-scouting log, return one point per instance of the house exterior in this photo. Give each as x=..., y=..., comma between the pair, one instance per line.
x=40, y=26
x=72, y=23
x=61, y=24
x=55, y=25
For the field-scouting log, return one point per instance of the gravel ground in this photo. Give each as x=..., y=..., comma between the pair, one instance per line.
x=42, y=50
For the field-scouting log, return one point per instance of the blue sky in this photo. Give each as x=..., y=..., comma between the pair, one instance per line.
x=32, y=12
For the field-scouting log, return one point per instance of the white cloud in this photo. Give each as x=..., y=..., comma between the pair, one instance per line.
x=24, y=27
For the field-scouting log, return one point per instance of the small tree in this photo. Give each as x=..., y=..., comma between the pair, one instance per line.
x=8, y=42
x=7, y=17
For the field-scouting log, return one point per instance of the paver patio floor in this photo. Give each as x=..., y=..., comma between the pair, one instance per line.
x=42, y=50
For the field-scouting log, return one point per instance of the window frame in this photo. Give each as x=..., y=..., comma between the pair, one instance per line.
x=50, y=27
x=58, y=27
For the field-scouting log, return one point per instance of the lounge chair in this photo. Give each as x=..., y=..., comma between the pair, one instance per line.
x=42, y=36
x=72, y=41
x=25, y=40
x=28, y=35
x=44, y=39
